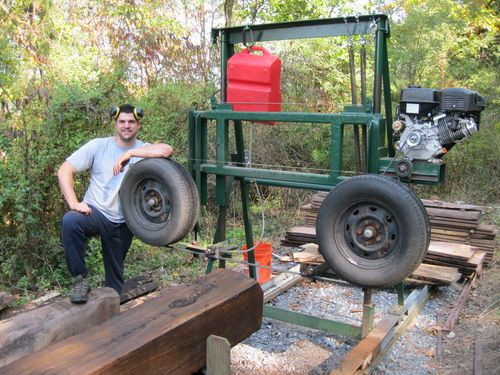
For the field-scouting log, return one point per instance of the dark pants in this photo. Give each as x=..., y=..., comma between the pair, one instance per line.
x=115, y=239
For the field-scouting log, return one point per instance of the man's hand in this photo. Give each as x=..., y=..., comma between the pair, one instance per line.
x=121, y=163
x=81, y=207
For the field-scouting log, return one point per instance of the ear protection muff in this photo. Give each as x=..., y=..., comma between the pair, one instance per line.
x=138, y=113
x=114, y=112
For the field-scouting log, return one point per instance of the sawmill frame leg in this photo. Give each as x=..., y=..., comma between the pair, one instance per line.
x=368, y=312
x=240, y=156
x=327, y=325
x=370, y=351
x=336, y=327
x=223, y=188
x=400, y=289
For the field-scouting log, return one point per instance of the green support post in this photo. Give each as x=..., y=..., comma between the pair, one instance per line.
x=221, y=156
x=387, y=99
x=240, y=151
x=368, y=312
x=336, y=148
x=400, y=289
x=210, y=266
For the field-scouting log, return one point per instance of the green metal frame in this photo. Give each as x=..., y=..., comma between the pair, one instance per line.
x=230, y=167
x=227, y=168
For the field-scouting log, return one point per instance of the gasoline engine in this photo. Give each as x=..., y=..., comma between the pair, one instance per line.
x=430, y=122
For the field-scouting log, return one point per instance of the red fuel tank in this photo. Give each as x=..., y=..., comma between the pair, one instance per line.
x=254, y=81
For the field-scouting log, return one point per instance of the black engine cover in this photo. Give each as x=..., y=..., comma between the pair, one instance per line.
x=462, y=100
x=419, y=101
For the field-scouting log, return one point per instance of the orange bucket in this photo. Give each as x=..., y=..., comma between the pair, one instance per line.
x=263, y=255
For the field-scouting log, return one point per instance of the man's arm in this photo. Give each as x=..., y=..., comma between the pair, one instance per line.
x=65, y=175
x=158, y=150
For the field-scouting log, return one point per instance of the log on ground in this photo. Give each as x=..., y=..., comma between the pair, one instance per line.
x=165, y=335
x=36, y=329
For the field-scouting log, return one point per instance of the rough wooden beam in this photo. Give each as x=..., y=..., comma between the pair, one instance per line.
x=36, y=329
x=281, y=284
x=136, y=287
x=165, y=335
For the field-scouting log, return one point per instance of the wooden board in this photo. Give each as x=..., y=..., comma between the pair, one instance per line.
x=36, y=329
x=472, y=216
x=439, y=275
x=450, y=250
x=165, y=335
x=136, y=287
x=451, y=205
x=280, y=284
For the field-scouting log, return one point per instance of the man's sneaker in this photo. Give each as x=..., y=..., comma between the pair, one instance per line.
x=80, y=290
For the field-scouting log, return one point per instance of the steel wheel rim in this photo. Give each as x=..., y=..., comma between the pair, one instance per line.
x=367, y=234
x=151, y=203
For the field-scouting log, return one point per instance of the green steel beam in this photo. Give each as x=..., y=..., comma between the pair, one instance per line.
x=423, y=172
x=298, y=117
x=336, y=148
x=269, y=174
x=383, y=27
x=387, y=99
x=294, y=185
x=226, y=51
x=375, y=144
x=400, y=289
x=240, y=150
x=313, y=322
x=301, y=29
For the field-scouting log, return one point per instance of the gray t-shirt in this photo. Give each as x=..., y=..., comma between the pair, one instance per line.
x=100, y=155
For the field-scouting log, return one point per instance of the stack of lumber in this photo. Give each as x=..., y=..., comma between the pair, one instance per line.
x=443, y=264
x=450, y=222
x=298, y=236
x=311, y=210
x=464, y=257
x=435, y=275
x=460, y=223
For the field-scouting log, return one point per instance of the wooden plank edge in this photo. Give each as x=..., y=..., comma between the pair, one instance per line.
x=399, y=330
x=462, y=299
x=281, y=284
x=383, y=335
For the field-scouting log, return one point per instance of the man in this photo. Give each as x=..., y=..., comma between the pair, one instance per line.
x=99, y=212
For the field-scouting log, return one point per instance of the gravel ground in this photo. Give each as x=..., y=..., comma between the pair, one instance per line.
x=281, y=348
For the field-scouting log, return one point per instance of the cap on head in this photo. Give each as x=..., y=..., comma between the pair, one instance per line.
x=114, y=112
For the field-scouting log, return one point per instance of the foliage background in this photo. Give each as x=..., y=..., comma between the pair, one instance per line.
x=64, y=62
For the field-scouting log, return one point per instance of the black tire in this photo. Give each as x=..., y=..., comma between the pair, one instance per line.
x=194, y=198
x=372, y=230
x=159, y=201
